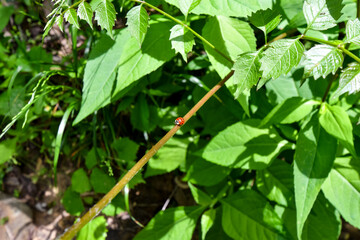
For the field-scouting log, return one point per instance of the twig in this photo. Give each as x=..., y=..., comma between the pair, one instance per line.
x=96, y=209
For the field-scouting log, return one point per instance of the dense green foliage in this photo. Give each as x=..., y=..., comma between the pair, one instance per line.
x=273, y=155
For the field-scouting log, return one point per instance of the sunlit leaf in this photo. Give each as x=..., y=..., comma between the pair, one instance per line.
x=321, y=60
x=244, y=145
x=60, y=22
x=85, y=12
x=247, y=72
x=349, y=80
x=99, y=74
x=187, y=6
x=314, y=157
x=336, y=122
x=94, y=230
x=105, y=15
x=353, y=31
x=230, y=36
x=182, y=40
x=281, y=57
x=290, y=110
x=342, y=189
x=277, y=183
x=322, y=14
x=266, y=20
x=247, y=215
x=138, y=22
x=71, y=16
x=173, y=223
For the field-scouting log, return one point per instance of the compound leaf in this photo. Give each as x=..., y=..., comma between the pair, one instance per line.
x=349, y=80
x=321, y=60
x=105, y=15
x=247, y=72
x=71, y=16
x=280, y=58
x=85, y=12
x=182, y=40
x=138, y=22
x=353, y=31
x=322, y=14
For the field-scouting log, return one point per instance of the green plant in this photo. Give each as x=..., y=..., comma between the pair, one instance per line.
x=281, y=160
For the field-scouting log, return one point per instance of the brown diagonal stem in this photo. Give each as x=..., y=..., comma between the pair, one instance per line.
x=96, y=209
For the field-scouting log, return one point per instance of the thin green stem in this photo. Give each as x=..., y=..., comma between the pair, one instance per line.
x=187, y=27
x=340, y=46
x=350, y=54
x=358, y=9
x=319, y=40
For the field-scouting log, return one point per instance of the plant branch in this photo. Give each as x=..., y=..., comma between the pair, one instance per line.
x=187, y=27
x=96, y=209
x=334, y=44
x=358, y=9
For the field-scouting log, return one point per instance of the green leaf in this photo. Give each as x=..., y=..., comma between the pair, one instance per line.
x=247, y=215
x=353, y=31
x=138, y=22
x=155, y=51
x=289, y=111
x=266, y=20
x=59, y=137
x=85, y=12
x=101, y=182
x=280, y=58
x=94, y=230
x=244, y=145
x=105, y=15
x=72, y=202
x=233, y=8
x=321, y=60
x=323, y=222
x=5, y=13
x=48, y=26
x=173, y=223
x=277, y=183
x=7, y=149
x=322, y=14
x=349, y=80
x=204, y=173
x=314, y=157
x=80, y=181
x=231, y=37
x=71, y=16
x=187, y=6
x=168, y=158
x=99, y=74
x=336, y=122
x=247, y=72
x=182, y=40
x=199, y=196
x=126, y=150
x=60, y=22
x=92, y=157
x=342, y=189
x=207, y=221
x=116, y=206
x=144, y=116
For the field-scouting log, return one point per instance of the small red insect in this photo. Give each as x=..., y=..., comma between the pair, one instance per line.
x=179, y=121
